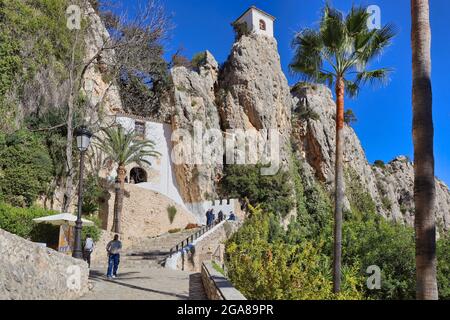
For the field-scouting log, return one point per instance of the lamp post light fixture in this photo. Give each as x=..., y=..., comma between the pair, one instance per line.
x=83, y=136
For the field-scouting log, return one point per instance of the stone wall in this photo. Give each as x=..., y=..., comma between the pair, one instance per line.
x=209, y=246
x=217, y=286
x=145, y=213
x=29, y=271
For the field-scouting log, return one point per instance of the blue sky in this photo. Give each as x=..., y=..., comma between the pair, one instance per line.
x=384, y=114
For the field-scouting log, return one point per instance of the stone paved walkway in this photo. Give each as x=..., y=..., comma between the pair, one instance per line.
x=143, y=277
x=146, y=284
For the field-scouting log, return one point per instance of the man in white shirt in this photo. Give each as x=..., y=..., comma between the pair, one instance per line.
x=88, y=248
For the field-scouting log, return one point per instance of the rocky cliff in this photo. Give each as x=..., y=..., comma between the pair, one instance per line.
x=194, y=104
x=250, y=91
x=390, y=186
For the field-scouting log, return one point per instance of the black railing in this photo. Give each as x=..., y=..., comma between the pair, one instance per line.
x=193, y=237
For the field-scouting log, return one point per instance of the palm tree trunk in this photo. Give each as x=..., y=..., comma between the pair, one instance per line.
x=423, y=135
x=118, y=201
x=339, y=185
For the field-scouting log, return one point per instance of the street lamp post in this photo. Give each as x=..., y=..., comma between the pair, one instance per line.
x=83, y=141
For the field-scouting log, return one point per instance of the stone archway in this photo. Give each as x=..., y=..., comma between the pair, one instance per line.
x=138, y=175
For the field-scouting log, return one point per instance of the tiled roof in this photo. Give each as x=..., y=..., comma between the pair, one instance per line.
x=257, y=9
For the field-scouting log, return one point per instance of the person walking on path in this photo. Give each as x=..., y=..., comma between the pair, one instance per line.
x=220, y=216
x=88, y=248
x=208, y=217
x=114, y=247
x=213, y=216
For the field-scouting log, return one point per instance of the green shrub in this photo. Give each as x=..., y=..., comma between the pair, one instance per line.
x=379, y=164
x=95, y=231
x=443, y=267
x=171, y=211
x=198, y=59
x=264, y=269
x=25, y=168
x=241, y=29
x=360, y=199
x=19, y=221
x=350, y=117
x=390, y=246
x=273, y=193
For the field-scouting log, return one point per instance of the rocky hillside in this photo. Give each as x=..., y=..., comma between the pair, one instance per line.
x=390, y=186
x=251, y=91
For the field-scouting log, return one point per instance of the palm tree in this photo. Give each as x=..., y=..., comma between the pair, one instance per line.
x=123, y=148
x=339, y=53
x=424, y=183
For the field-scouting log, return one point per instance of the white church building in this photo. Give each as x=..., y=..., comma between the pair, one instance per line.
x=257, y=21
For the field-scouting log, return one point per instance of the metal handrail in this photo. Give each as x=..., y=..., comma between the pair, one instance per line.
x=193, y=237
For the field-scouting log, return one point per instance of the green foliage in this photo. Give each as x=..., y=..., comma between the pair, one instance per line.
x=387, y=204
x=313, y=207
x=264, y=268
x=272, y=193
x=390, y=246
x=94, y=231
x=360, y=199
x=241, y=29
x=19, y=221
x=307, y=113
x=217, y=268
x=33, y=36
x=379, y=164
x=124, y=147
x=443, y=267
x=350, y=117
x=93, y=193
x=198, y=59
x=171, y=212
x=25, y=168
x=342, y=47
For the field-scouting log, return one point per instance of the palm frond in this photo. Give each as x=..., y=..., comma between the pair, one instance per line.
x=379, y=76
x=124, y=147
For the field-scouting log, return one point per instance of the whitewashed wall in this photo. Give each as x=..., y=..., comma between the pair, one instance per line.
x=252, y=19
x=256, y=16
x=161, y=174
x=164, y=181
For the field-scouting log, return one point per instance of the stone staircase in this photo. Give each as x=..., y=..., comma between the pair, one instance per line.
x=152, y=252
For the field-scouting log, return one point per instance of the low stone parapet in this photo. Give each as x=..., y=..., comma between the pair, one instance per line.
x=210, y=245
x=29, y=271
x=217, y=286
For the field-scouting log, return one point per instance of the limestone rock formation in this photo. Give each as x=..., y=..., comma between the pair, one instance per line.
x=253, y=90
x=391, y=187
x=103, y=94
x=194, y=106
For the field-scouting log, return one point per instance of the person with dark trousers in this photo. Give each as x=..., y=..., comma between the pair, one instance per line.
x=213, y=216
x=114, y=247
x=208, y=217
x=220, y=216
x=88, y=248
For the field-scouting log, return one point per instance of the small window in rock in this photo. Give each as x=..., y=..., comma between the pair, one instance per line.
x=262, y=25
x=139, y=128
